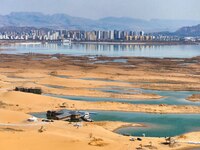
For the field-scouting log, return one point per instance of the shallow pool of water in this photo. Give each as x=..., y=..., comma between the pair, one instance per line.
x=157, y=125
x=62, y=76
x=170, y=97
x=102, y=79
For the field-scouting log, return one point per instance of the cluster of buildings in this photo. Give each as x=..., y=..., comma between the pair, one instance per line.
x=108, y=35
x=39, y=35
x=78, y=35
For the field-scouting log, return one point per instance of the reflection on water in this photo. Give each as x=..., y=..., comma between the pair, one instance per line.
x=160, y=51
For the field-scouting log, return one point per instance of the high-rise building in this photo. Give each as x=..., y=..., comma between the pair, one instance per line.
x=141, y=33
x=111, y=35
x=117, y=35
x=105, y=35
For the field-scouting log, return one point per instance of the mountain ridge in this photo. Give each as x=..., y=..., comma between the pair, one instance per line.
x=189, y=31
x=64, y=21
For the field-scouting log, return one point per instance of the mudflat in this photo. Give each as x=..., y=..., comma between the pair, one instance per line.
x=82, y=76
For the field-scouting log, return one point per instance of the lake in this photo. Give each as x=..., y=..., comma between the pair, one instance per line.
x=170, y=97
x=157, y=125
x=155, y=51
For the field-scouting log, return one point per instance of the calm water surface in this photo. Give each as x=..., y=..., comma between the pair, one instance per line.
x=177, y=51
x=157, y=125
x=170, y=97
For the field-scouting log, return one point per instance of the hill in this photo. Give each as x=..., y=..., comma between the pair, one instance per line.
x=189, y=31
x=63, y=21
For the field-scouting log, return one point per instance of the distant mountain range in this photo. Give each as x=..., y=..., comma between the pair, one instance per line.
x=63, y=21
x=22, y=29
x=188, y=31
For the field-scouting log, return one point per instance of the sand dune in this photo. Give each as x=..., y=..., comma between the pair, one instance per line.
x=18, y=70
x=61, y=135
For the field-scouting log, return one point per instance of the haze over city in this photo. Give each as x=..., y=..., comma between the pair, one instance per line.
x=95, y=9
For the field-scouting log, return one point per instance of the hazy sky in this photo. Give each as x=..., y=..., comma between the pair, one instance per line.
x=145, y=9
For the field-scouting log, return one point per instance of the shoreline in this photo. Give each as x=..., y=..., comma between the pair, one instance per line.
x=7, y=42
x=115, y=125
x=194, y=98
x=126, y=97
x=146, y=43
x=128, y=126
x=38, y=73
x=35, y=70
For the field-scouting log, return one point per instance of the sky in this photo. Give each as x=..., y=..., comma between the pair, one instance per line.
x=95, y=9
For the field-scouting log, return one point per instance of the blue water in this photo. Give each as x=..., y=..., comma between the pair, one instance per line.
x=62, y=76
x=108, y=61
x=102, y=79
x=156, y=125
x=173, y=51
x=170, y=97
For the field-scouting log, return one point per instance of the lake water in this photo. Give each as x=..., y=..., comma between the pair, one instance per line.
x=173, y=51
x=170, y=97
x=157, y=125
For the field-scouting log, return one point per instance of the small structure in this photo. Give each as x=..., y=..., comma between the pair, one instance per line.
x=86, y=117
x=32, y=119
x=73, y=116
x=29, y=90
x=171, y=141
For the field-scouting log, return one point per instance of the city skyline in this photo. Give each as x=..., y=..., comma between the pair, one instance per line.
x=95, y=9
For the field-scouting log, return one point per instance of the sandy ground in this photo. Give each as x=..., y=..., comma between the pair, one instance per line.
x=38, y=103
x=60, y=134
x=42, y=71
x=112, y=126
x=194, y=98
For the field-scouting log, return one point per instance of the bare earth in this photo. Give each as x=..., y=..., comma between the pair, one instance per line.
x=42, y=71
x=194, y=98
